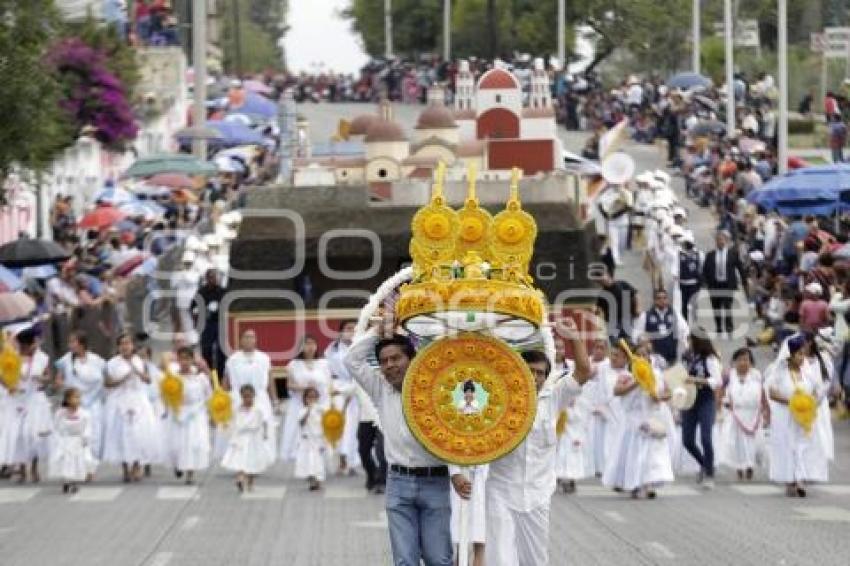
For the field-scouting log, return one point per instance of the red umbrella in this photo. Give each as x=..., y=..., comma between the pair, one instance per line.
x=102, y=217
x=15, y=306
x=172, y=181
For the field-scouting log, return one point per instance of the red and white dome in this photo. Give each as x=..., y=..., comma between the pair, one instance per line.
x=498, y=79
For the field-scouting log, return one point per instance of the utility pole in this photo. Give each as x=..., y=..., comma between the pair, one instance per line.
x=782, y=46
x=388, y=29
x=562, y=31
x=447, y=30
x=237, y=37
x=730, y=67
x=695, y=33
x=199, y=64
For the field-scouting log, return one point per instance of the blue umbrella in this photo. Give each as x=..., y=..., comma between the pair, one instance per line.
x=688, y=81
x=811, y=190
x=144, y=208
x=114, y=195
x=9, y=280
x=232, y=134
x=256, y=105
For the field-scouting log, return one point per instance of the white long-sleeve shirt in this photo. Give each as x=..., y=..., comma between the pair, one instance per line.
x=400, y=446
x=525, y=479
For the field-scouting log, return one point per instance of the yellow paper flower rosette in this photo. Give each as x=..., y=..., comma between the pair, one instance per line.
x=803, y=408
x=333, y=423
x=171, y=390
x=641, y=370
x=220, y=404
x=561, y=425
x=10, y=366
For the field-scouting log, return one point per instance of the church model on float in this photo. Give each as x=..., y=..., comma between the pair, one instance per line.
x=489, y=128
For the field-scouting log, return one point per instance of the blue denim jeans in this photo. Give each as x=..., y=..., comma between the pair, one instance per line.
x=419, y=515
x=702, y=415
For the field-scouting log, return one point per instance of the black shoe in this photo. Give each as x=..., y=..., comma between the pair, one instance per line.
x=379, y=490
x=66, y=488
x=240, y=486
x=178, y=473
x=750, y=342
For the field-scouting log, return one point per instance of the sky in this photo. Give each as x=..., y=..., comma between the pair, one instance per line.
x=319, y=35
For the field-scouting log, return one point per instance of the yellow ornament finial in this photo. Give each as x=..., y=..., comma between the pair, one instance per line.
x=439, y=181
x=513, y=200
x=471, y=180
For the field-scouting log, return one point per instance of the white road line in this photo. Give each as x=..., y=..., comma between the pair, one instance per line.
x=265, y=493
x=615, y=516
x=177, y=493
x=190, y=523
x=97, y=494
x=18, y=494
x=381, y=523
x=161, y=559
x=757, y=489
x=833, y=489
x=823, y=513
x=660, y=550
x=342, y=492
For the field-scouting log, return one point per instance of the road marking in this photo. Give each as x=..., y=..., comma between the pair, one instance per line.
x=97, y=494
x=18, y=494
x=161, y=559
x=758, y=489
x=614, y=516
x=823, y=513
x=177, y=493
x=596, y=491
x=265, y=493
x=660, y=550
x=834, y=489
x=381, y=523
x=342, y=492
x=678, y=491
x=190, y=523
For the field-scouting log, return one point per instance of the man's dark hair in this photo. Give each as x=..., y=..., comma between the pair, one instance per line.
x=344, y=322
x=537, y=357
x=402, y=342
x=469, y=385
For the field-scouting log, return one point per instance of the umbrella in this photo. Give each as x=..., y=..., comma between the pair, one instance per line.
x=143, y=208
x=15, y=306
x=129, y=265
x=147, y=268
x=706, y=102
x=38, y=272
x=114, y=195
x=234, y=134
x=184, y=196
x=151, y=191
x=26, y=252
x=256, y=105
x=9, y=281
x=172, y=180
x=258, y=87
x=707, y=128
x=229, y=164
x=811, y=190
x=169, y=163
x=688, y=81
x=102, y=217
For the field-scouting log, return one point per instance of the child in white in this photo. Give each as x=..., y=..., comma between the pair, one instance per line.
x=310, y=452
x=248, y=452
x=741, y=434
x=189, y=427
x=476, y=509
x=71, y=458
x=598, y=394
x=640, y=459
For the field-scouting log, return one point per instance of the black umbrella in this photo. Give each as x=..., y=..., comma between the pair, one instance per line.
x=28, y=252
x=708, y=128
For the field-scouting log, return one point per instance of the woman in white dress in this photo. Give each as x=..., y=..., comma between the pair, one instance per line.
x=476, y=509
x=189, y=426
x=820, y=363
x=247, y=451
x=311, y=448
x=71, y=459
x=155, y=399
x=130, y=427
x=570, y=465
x=640, y=459
x=796, y=456
x=349, y=456
x=306, y=370
x=598, y=394
x=742, y=433
x=84, y=371
x=25, y=431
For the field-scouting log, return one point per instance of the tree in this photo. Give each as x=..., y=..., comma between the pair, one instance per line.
x=34, y=127
x=249, y=46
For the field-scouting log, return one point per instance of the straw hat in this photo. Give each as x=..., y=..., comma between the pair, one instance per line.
x=683, y=395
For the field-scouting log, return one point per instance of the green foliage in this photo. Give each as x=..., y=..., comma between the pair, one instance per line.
x=250, y=47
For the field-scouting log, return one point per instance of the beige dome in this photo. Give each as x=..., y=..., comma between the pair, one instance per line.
x=435, y=117
x=360, y=124
x=383, y=130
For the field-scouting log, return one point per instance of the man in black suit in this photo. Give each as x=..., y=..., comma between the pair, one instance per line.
x=722, y=273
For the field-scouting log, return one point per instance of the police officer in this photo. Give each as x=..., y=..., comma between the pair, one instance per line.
x=665, y=327
x=690, y=271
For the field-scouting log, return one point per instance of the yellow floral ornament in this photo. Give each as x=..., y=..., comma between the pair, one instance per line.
x=432, y=412
x=10, y=365
x=171, y=389
x=561, y=425
x=220, y=404
x=804, y=409
x=642, y=371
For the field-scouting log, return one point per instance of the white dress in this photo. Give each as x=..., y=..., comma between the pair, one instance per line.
x=342, y=381
x=25, y=421
x=640, y=454
x=476, y=506
x=86, y=376
x=823, y=423
x=189, y=428
x=598, y=394
x=71, y=457
x=317, y=375
x=130, y=426
x=794, y=454
x=247, y=450
x=741, y=432
x=253, y=369
x=570, y=452
x=311, y=446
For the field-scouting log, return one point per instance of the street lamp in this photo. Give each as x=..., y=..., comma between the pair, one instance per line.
x=562, y=30
x=730, y=77
x=388, y=29
x=199, y=65
x=695, y=32
x=447, y=30
x=782, y=46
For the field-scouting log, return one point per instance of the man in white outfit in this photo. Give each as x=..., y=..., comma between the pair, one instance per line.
x=520, y=485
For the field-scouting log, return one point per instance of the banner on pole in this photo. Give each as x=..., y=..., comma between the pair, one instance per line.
x=746, y=32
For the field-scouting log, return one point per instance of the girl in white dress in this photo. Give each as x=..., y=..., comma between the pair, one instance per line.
x=598, y=394
x=160, y=446
x=306, y=371
x=476, y=508
x=310, y=452
x=570, y=451
x=640, y=459
x=820, y=364
x=25, y=431
x=189, y=427
x=742, y=433
x=71, y=459
x=84, y=371
x=349, y=457
x=130, y=428
x=247, y=451
x=796, y=456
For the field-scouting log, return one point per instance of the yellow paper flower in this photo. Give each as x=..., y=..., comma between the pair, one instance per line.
x=804, y=409
x=220, y=404
x=10, y=366
x=641, y=370
x=171, y=390
x=333, y=423
x=561, y=425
